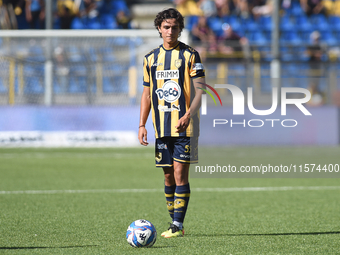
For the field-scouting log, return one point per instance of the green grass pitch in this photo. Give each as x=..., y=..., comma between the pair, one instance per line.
x=91, y=203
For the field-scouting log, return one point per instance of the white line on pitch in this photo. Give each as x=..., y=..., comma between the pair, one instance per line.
x=285, y=188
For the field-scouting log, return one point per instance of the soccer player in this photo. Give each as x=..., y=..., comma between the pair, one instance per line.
x=173, y=76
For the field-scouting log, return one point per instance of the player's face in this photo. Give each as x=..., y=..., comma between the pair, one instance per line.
x=170, y=31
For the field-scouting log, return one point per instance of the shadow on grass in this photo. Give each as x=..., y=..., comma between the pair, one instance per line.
x=29, y=248
x=273, y=234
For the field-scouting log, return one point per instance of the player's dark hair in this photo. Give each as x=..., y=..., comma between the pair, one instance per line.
x=170, y=13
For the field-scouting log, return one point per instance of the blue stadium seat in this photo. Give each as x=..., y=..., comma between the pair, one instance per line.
x=301, y=53
x=115, y=84
x=258, y=38
x=108, y=86
x=266, y=23
x=303, y=24
x=291, y=38
x=3, y=88
x=215, y=23
x=236, y=24
x=108, y=54
x=335, y=23
x=328, y=38
x=34, y=85
x=296, y=8
x=251, y=25
x=118, y=5
x=286, y=54
x=78, y=84
x=78, y=79
x=36, y=54
x=107, y=21
x=77, y=23
x=320, y=23
x=190, y=21
x=286, y=25
x=56, y=23
x=74, y=54
x=337, y=37
x=305, y=37
x=93, y=23
x=266, y=52
x=92, y=54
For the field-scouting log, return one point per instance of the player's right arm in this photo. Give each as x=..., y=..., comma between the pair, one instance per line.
x=145, y=106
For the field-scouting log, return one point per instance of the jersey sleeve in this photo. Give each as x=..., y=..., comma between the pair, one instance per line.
x=197, y=68
x=146, y=73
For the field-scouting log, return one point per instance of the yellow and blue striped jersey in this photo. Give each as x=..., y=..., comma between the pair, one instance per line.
x=168, y=73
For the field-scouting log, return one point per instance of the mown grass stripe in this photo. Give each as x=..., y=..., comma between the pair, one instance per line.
x=239, y=189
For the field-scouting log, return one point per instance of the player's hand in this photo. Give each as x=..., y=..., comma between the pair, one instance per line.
x=182, y=124
x=143, y=136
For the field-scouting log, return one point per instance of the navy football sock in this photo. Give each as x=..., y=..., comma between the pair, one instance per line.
x=169, y=196
x=182, y=195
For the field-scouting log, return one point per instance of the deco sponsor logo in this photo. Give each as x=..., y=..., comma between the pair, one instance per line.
x=167, y=74
x=170, y=92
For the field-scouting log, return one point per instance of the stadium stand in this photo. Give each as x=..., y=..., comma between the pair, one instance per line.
x=295, y=40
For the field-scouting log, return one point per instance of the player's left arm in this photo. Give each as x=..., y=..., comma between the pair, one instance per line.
x=184, y=122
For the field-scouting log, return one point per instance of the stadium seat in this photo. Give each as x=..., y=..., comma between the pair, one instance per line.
x=34, y=85
x=108, y=54
x=108, y=85
x=335, y=23
x=258, y=38
x=251, y=25
x=190, y=21
x=266, y=23
x=291, y=38
x=301, y=53
x=328, y=38
x=56, y=86
x=320, y=23
x=107, y=21
x=119, y=5
x=303, y=24
x=286, y=54
x=3, y=88
x=74, y=54
x=36, y=54
x=337, y=37
x=79, y=77
x=77, y=24
x=286, y=25
x=56, y=23
x=296, y=8
x=266, y=52
x=215, y=23
x=78, y=84
x=91, y=54
x=93, y=23
x=236, y=24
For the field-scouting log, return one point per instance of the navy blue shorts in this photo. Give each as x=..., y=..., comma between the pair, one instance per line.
x=179, y=149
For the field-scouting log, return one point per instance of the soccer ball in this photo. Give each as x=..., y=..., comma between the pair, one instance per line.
x=141, y=233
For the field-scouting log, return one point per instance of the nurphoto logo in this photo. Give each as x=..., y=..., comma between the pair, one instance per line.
x=238, y=105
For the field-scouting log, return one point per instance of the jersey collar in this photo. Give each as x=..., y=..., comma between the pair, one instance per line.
x=172, y=47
